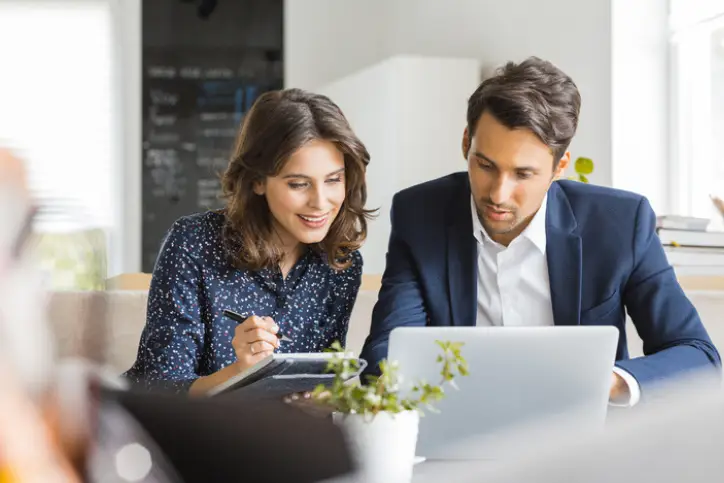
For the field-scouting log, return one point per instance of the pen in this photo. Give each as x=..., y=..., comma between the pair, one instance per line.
x=240, y=318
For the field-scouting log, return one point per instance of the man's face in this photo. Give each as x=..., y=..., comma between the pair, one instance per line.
x=510, y=172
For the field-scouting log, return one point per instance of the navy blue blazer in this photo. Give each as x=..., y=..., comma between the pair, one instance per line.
x=604, y=258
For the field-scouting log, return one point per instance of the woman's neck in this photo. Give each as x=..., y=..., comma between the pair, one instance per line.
x=291, y=256
x=292, y=249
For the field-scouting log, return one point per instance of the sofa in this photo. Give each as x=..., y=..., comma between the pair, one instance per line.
x=106, y=326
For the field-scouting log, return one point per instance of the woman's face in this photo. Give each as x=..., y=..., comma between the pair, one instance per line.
x=306, y=196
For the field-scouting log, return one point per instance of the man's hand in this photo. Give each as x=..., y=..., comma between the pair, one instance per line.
x=619, y=389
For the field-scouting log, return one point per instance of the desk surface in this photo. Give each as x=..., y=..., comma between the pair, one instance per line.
x=442, y=470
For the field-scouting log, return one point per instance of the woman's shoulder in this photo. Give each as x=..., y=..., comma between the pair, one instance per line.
x=198, y=227
x=197, y=236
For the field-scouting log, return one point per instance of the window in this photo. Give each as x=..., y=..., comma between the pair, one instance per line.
x=57, y=106
x=697, y=44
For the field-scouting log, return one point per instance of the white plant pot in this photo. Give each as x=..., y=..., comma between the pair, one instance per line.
x=382, y=446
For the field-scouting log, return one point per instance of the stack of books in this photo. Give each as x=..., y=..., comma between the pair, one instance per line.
x=690, y=247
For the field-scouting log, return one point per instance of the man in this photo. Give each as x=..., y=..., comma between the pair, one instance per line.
x=507, y=244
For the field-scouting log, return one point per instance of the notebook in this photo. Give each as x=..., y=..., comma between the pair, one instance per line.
x=281, y=374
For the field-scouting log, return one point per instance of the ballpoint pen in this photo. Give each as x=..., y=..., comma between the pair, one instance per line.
x=240, y=318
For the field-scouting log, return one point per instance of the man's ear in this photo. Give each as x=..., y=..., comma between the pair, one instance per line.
x=466, y=143
x=260, y=187
x=562, y=165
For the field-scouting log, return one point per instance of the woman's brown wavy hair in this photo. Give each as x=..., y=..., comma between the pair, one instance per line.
x=277, y=125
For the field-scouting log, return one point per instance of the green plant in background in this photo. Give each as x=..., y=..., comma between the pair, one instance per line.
x=382, y=393
x=583, y=167
x=73, y=260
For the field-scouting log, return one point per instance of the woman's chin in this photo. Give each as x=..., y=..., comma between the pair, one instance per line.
x=312, y=236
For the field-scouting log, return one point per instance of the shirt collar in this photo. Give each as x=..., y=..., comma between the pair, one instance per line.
x=535, y=231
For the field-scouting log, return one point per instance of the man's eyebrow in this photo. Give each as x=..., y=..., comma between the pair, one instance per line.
x=299, y=175
x=480, y=155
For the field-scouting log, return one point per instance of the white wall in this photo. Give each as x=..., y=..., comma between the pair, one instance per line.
x=325, y=40
x=411, y=120
x=640, y=100
x=127, y=78
x=574, y=35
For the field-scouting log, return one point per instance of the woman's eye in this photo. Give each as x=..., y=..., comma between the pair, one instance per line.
x=335, y=180
x=297, y=186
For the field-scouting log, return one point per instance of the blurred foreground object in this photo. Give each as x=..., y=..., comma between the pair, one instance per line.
x=25, y=342
x=227, y=439
x=29, y=448
x=675, y=437
x=29, y=451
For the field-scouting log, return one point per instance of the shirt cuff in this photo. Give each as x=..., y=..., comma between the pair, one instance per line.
x=634, y=389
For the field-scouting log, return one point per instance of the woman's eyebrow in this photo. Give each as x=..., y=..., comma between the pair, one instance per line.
x=299, y=175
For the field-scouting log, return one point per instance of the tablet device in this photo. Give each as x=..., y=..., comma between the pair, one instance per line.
x=278, y=375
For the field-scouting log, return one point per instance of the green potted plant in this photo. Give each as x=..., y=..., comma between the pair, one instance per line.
x=381, y=418
x=583, y=167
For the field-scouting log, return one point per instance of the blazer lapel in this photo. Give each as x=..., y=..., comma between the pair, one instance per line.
x=462, y=260
x=563, y=252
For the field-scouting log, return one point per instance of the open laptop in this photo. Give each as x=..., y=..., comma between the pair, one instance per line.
x=518, y=376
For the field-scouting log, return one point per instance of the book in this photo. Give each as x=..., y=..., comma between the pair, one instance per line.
x=279, y=375
x=694, y=256
x=685, y=238
x=675, y=222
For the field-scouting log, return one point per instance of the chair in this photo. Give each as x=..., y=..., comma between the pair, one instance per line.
x=129, y=281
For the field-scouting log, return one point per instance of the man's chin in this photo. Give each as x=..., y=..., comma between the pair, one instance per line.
x=501, y=228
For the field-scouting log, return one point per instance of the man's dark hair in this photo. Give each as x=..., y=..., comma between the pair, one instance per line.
x=534, y=95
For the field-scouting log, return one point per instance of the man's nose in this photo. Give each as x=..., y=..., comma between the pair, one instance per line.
x=502, y=190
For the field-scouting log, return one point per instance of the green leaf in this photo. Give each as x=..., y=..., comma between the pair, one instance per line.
x=583, y=178
x=584, y=166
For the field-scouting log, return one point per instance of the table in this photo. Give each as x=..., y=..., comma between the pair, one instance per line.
x=444, y=470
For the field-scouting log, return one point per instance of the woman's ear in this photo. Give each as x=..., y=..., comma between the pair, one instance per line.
x=259, y=187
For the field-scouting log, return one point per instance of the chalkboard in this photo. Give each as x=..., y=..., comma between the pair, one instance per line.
x=195, y=95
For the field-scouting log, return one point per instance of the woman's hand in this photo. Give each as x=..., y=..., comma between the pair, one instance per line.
x=254, y=339
x=306, y=403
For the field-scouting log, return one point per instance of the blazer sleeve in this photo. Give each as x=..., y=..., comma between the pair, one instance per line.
x=400, y=302
x=674, y=339
x=172, y=342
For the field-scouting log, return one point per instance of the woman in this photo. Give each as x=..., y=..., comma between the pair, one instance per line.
x=283, y=252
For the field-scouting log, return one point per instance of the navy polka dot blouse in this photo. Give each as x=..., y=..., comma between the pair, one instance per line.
x=186, y=335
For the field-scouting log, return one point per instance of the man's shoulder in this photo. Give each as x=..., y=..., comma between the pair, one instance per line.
x=435, y=191
x=600, y=208
x=586, y=193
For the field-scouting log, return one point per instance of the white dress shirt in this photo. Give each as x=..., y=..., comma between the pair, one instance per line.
x=513, y=284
